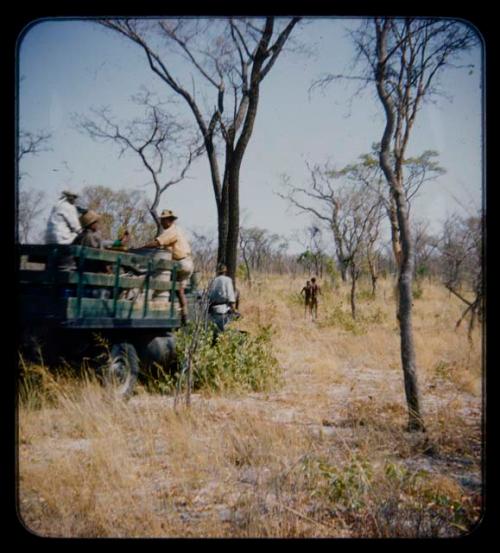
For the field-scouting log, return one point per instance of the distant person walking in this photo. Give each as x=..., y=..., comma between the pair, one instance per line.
x=315, y=292
x=306, y=292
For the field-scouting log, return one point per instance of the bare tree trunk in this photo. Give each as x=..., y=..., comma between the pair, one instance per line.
x=373, y=274
x=394, y=180
x=395, y=240
x=408, y=356
x=353, y=290
x=343, y=271
x=247, y=266
x=233, y=222
x=223, y=219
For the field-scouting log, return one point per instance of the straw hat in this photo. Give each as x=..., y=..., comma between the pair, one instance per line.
x=168, y=214
x=89, y=218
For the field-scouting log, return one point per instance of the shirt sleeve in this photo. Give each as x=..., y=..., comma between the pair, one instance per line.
x=167, y=237
x=70, y=214
x=231, y=297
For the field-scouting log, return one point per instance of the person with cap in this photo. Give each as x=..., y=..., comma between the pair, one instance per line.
x=222, y=298
x=63, y=225
x=174, y=240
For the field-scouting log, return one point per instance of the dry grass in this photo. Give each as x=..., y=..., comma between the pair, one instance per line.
x=325, y=455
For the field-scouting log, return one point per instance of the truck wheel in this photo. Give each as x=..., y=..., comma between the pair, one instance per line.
x=122, y=369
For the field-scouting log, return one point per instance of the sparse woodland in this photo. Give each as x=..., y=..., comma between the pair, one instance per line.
x=304, y=428
x=323, y=453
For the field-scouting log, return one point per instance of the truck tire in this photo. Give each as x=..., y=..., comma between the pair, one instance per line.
x=122, y=369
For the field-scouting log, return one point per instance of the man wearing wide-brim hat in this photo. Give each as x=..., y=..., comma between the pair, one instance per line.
x=174, y=240
x=90, y=235
x=63, y=225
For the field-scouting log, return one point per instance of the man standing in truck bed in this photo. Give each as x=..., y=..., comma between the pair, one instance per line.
x=63, y=225
x=174, y=240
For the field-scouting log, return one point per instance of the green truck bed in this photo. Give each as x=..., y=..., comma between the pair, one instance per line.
x=136, y=291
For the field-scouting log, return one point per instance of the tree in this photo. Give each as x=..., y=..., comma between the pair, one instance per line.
x=257, y=249
x=461, y=248
x=29, y=211
x=425, y=249
x=324, y=203
x=32, y=143
x=417, y=171
x=350, y=211
x=231, y=57
x=29, y=200
x=404, y=58
x=120, y=209
x=161, y=143
x=204, y=252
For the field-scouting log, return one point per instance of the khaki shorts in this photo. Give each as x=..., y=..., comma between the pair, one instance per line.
x=185, y=271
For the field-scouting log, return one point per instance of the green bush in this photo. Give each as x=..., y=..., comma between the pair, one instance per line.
x=417, y=291
x=234, y=361
x=341, y=319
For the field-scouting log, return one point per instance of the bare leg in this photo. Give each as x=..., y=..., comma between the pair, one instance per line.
x=182, y=303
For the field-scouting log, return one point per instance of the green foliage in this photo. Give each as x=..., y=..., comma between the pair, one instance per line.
x=295, y=299
x=420, y=497
x=417, y=291
x=443, y=370
x=236, y=361
x=346, y=487
x=364, y=295
x=422, y=272
x=158, y=380
x=378, y=317
x=339, y=318
x=332, y=272
x=241, y=272
x=349, y=485
x=358, y=491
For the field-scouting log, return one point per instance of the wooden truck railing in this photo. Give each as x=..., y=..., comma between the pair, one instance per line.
x=50, y=293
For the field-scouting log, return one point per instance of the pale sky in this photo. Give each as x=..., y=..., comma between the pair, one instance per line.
x=68, y=66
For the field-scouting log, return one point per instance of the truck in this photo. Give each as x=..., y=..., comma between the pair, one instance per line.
x=115, y=309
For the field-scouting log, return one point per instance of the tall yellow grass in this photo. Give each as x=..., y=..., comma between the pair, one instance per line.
x=325, y=455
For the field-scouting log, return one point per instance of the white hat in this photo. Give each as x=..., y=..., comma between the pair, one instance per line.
x=69, y=194
x=168, y=214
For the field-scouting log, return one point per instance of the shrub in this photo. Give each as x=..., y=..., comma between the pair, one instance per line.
x=233, y=361
x=417, y=291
